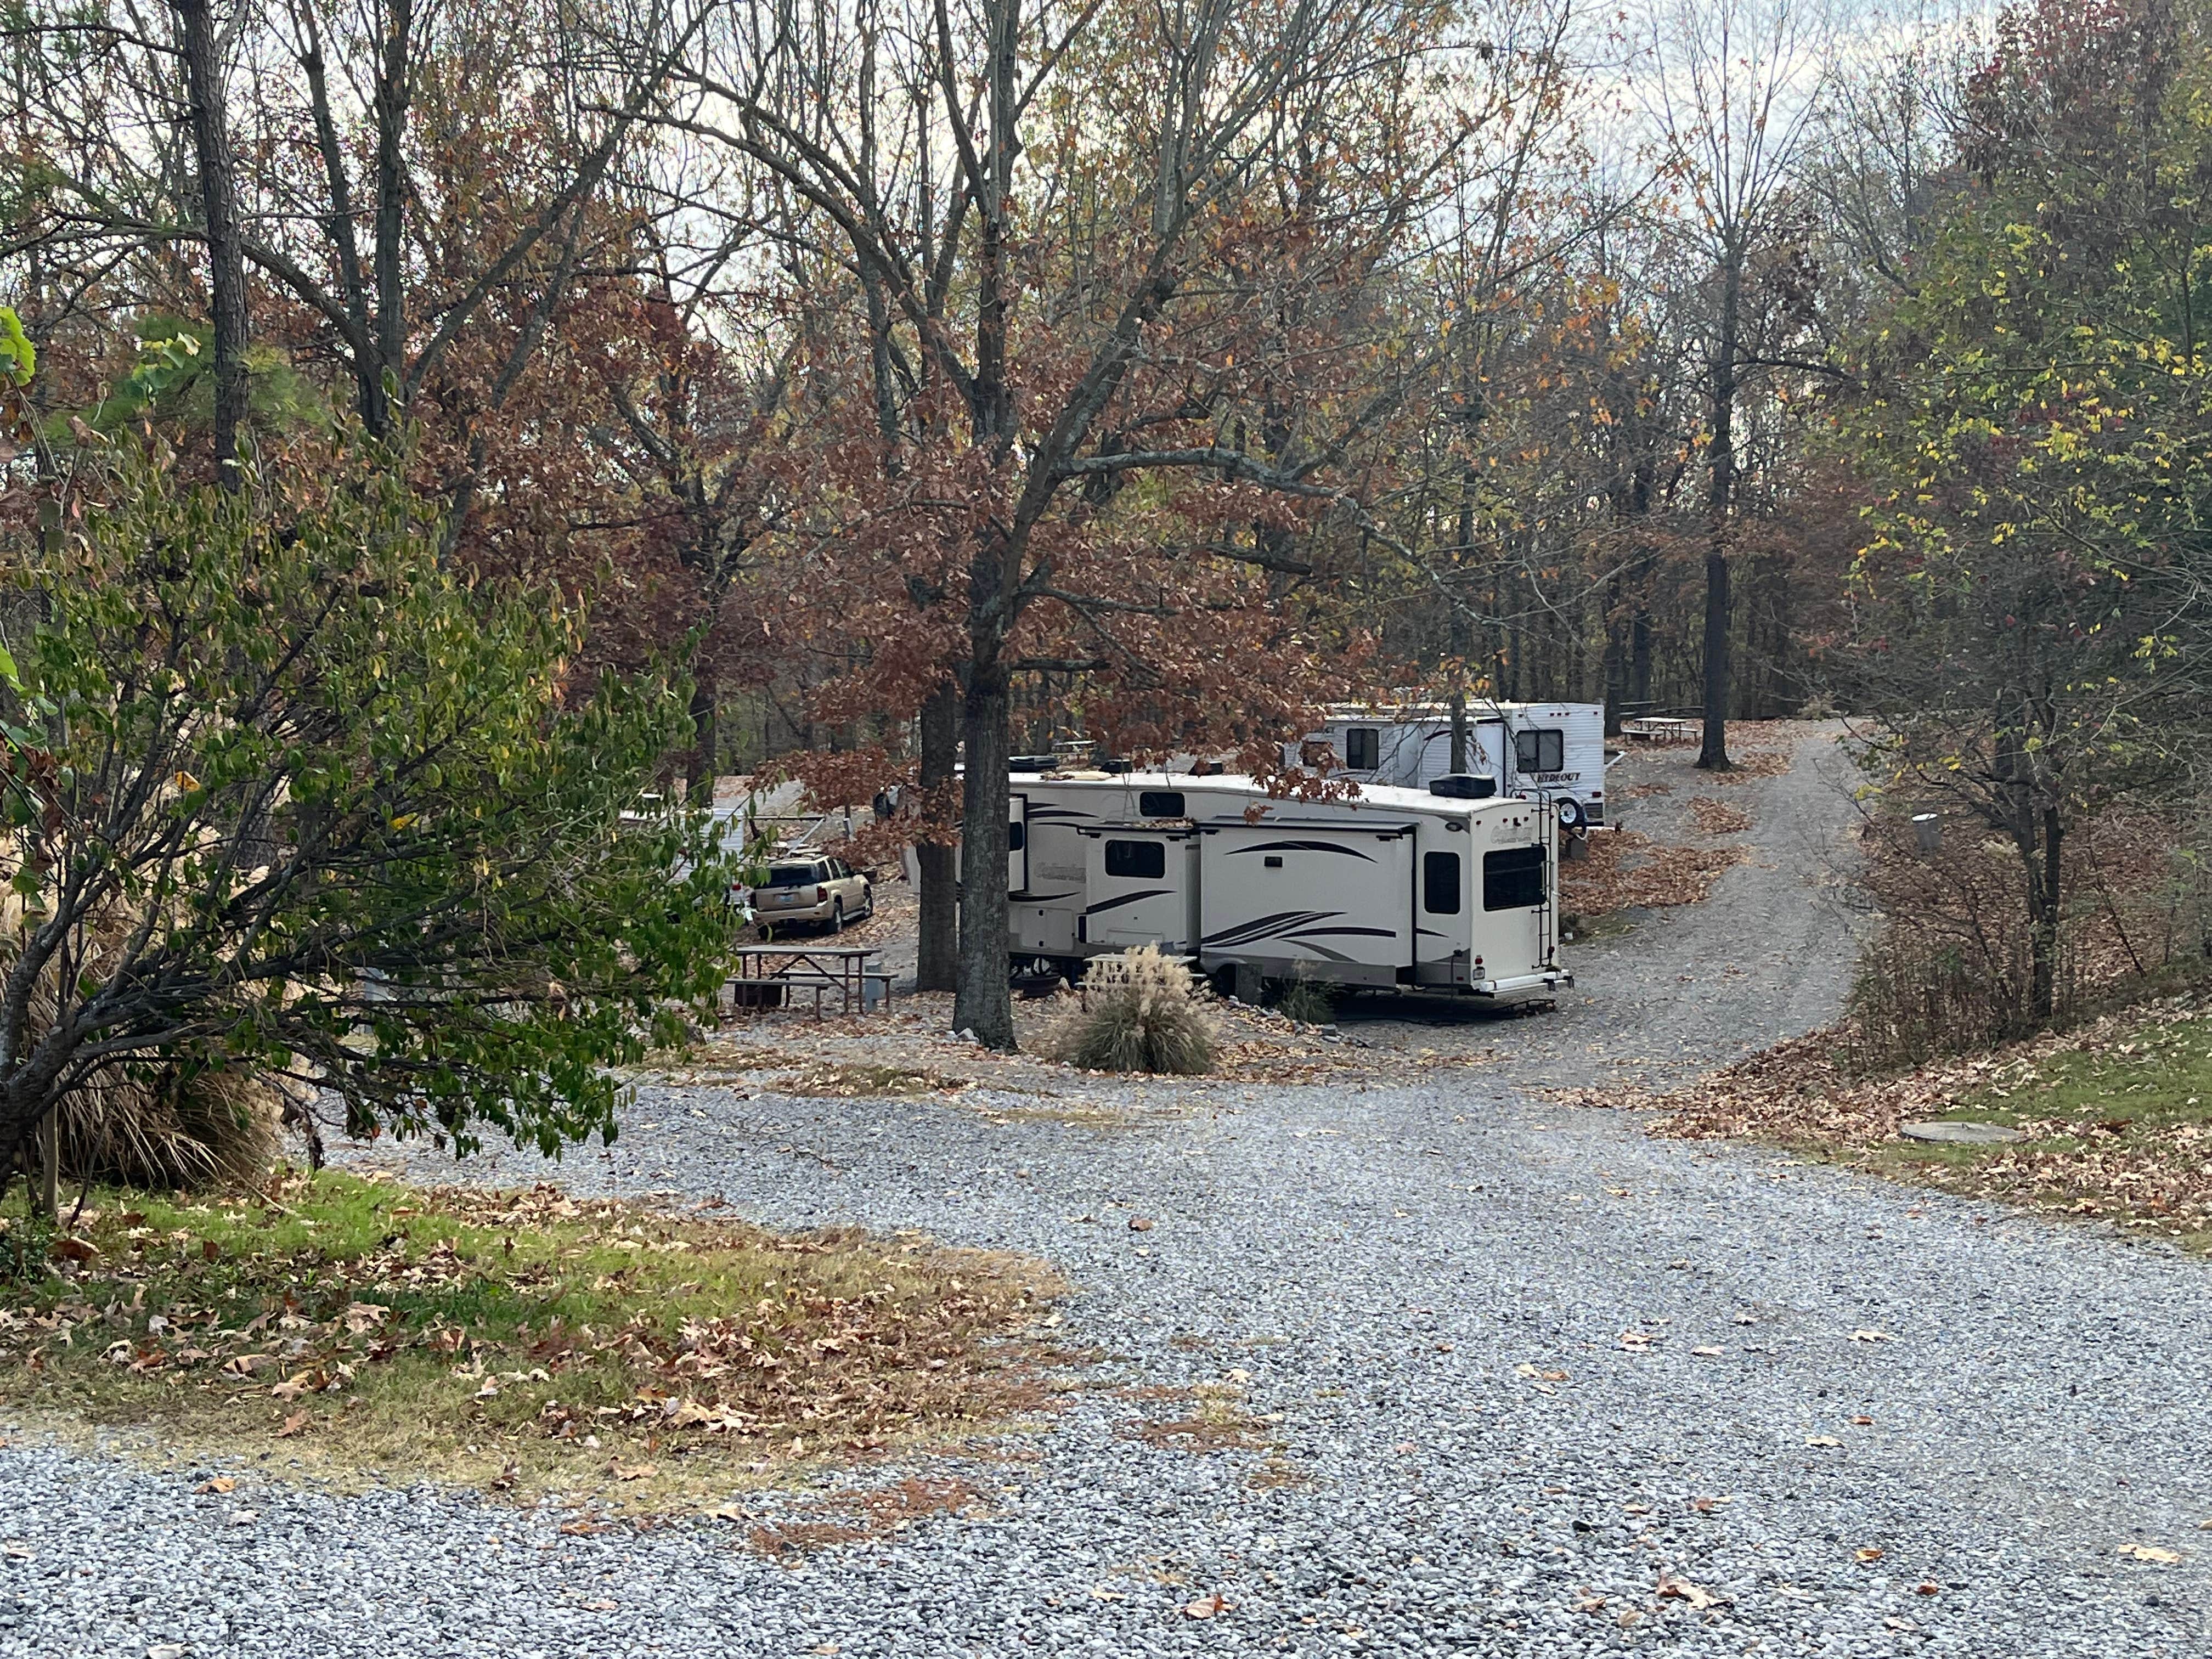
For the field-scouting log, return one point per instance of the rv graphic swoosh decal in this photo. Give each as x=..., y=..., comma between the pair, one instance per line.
x=1332, y=932
x=1057, y=814
x=1126, y=898
x=1260, y=928
x=1302, y=846
x=1039, y=898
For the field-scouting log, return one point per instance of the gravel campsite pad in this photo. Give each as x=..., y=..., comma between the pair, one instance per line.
x=1432, y=1366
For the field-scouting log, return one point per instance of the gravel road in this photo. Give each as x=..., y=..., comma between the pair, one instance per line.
x=1539, y=1386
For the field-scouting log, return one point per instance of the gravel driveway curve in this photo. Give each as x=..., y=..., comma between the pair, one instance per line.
x=1539, y=1386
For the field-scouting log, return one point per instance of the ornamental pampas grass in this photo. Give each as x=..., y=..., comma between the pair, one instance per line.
x=1140, y=1011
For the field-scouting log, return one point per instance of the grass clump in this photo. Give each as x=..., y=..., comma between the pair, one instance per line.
x=526, y=1340
x=1138, y=1011
x=1306, y=1000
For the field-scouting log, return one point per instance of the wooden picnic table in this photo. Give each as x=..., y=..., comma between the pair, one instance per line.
x=1661, y=728
x=817, y=968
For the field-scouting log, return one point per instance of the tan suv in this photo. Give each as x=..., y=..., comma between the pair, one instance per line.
x=813, y=887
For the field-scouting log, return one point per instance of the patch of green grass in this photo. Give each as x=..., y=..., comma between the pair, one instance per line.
x=2117, y=1126
x=2154, y=1077
x=525, y=1339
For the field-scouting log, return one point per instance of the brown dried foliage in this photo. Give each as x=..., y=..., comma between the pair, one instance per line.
x=1717, y=818
x=596, y=1331
x=1804, y=1093
x=1626, y=869
x=1951, y=970
x=861, y=1516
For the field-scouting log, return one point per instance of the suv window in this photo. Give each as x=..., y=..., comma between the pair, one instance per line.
x=1147, y=860
x=1159, y=804
x=791, y=875
x=1513, y=878
x=1363, y=748
x=1540, y=752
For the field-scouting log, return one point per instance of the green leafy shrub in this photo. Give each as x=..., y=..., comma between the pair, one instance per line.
x=282, y=798
x=1138, y=1011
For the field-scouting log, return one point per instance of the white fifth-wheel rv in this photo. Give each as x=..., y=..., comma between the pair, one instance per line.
x=1555, y=749
x=1411, y=890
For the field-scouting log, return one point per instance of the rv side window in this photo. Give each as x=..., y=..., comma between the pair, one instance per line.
x=1159, y=804
x=1540, y=752
x=1440, y=884
x=1147, y=860
x=1363, y=748
x=1513, y=878
x=1017, y=835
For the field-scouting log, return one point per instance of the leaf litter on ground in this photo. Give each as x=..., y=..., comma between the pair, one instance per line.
x=2115, y=1115
x=525, y=1339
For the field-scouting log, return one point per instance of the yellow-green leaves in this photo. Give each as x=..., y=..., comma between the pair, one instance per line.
x=19, y=358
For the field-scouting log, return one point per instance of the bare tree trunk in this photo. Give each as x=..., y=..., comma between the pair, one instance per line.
x=705, y=751
x=1713, y=755
x=982, y=1003
x=1461, y=645
x=936, y=967
x=1616, y=657
x=204, y=83
x=49, y=1196
x=1639, y=636
x=394, y=91
x=2044, y=897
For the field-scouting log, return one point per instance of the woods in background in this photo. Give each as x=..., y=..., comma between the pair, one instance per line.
x=942, y=380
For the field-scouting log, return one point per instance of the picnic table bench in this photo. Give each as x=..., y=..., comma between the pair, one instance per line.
x=768, y=975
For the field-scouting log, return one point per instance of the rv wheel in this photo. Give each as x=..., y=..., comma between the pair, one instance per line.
x=1034, y=976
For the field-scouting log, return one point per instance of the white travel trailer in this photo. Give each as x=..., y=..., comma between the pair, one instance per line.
x=1554, y=748
x=1395, y=889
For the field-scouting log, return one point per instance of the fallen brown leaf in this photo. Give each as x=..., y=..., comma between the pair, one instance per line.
x=2151, y=1552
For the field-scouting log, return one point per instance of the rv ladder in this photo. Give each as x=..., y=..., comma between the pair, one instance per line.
x=1546, y=932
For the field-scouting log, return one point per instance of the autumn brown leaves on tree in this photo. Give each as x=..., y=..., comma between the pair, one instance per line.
x=947, y=379
x=1086, y=393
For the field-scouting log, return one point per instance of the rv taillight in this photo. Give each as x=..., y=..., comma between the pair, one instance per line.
x=1478, y=967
